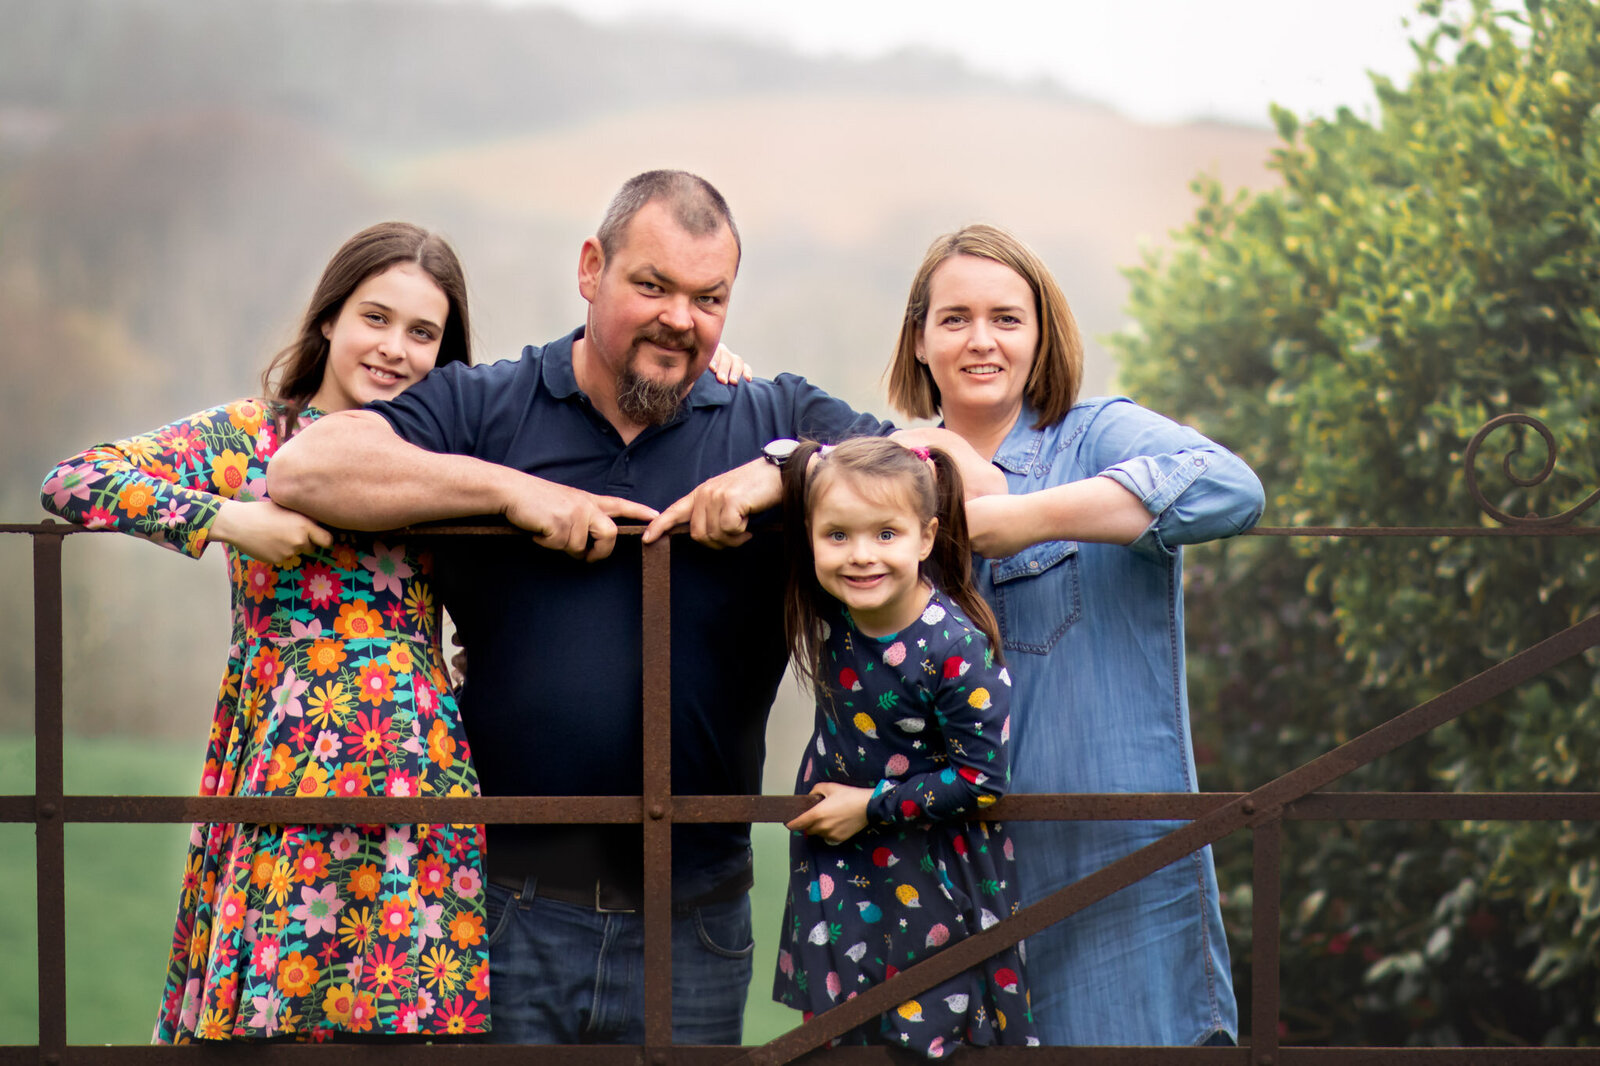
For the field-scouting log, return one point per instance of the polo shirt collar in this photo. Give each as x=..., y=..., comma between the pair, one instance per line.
x=556, y=363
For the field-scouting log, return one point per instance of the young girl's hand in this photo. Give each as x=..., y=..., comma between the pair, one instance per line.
x=841, y=814
x=728, y=367
x=262, y=529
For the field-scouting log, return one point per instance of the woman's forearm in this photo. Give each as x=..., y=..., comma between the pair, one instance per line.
x=1095, y=509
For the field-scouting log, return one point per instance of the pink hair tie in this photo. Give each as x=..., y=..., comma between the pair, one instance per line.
x=920, y=452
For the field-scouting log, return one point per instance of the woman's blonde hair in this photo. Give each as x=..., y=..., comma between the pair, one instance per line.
x=1052, y=385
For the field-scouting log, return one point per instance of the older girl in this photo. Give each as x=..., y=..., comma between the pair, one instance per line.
x=333, y=687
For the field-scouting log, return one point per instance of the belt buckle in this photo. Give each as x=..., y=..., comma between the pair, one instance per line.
x=601, y=908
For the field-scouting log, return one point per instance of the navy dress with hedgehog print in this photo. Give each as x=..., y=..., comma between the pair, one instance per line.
x=922, y=718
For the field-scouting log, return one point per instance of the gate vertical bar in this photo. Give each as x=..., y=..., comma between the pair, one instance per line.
x=657, y=798
x=1266, y=852
x=50, y=837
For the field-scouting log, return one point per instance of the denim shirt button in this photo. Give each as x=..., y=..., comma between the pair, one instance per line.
x=1033, y=564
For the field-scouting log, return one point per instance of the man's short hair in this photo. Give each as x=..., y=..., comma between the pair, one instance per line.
x=695, y=203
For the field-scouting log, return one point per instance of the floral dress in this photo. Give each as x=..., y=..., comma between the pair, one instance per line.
x=333, y=686
x=920, y=717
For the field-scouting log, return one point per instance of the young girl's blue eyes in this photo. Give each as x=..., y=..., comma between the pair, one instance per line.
x=839, y=537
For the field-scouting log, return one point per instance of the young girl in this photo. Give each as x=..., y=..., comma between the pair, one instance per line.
x=910, y=740
x=334, y=686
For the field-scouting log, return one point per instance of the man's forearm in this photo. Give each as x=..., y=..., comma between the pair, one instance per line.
x=350, y=469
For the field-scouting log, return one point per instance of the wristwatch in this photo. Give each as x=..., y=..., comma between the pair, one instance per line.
x=777, y=452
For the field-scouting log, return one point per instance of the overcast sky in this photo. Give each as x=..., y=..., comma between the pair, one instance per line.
x=1158, y=60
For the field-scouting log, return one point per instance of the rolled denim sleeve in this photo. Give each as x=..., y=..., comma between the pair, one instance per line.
x=1195, y=489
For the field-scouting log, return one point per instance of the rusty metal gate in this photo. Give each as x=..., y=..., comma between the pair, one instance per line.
x=1209, y=817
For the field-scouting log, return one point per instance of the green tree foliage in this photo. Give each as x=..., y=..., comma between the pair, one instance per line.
x=1348, y=333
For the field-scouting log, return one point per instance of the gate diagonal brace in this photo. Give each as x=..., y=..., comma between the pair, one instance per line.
x=1264, y=804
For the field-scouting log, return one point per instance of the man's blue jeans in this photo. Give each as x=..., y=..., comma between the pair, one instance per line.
x=564, y=974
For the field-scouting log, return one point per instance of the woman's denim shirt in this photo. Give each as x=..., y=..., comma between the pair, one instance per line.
x=1093, y=637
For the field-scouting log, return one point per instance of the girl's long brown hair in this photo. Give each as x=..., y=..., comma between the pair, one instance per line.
x=295, y=373
x=933, y=493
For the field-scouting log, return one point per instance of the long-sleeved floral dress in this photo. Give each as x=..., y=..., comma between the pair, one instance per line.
x=334, y=686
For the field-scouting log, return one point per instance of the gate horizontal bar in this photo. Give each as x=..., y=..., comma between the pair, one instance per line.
x=59, y=529
x=291, y=1054
x=1059, y=806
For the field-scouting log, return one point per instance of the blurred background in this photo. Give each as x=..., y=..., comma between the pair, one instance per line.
x=174, y=174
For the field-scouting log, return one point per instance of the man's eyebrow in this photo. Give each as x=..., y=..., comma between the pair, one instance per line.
x=650, y=270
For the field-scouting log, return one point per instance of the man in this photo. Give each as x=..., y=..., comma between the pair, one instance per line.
x=614, y=421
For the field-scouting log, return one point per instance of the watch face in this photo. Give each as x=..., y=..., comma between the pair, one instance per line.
x=779, y=450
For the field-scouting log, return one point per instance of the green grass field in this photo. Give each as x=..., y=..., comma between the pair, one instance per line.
x=121, y=895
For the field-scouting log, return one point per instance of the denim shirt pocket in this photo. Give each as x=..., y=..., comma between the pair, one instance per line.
x=1037, y=595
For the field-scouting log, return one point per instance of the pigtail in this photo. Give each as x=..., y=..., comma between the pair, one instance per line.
x=804, y=600
x=950, y=563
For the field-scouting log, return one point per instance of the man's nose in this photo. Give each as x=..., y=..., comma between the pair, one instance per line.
x=675, y=315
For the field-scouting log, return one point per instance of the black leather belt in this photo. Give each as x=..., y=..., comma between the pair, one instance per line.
x=607, y=897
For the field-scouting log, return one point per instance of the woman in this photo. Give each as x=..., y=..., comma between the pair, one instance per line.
x=334, y=686
x=1084, y=569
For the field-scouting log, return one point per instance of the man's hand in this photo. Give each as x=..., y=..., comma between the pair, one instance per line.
x=458, y=664
x=571, y=520
x=718, y=510
x=265, y=531
x=840, y=815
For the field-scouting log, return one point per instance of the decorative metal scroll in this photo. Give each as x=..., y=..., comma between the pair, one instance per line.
x=1564, y=518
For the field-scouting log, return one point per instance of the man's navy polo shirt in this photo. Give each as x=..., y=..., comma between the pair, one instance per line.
x=553, y=695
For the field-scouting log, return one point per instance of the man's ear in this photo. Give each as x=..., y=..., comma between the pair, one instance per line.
x=591, y=264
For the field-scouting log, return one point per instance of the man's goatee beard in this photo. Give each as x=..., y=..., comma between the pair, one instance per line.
x=645, y=402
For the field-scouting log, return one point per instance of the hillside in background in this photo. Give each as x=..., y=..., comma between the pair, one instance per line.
x=173, y=174
x=395, y=74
